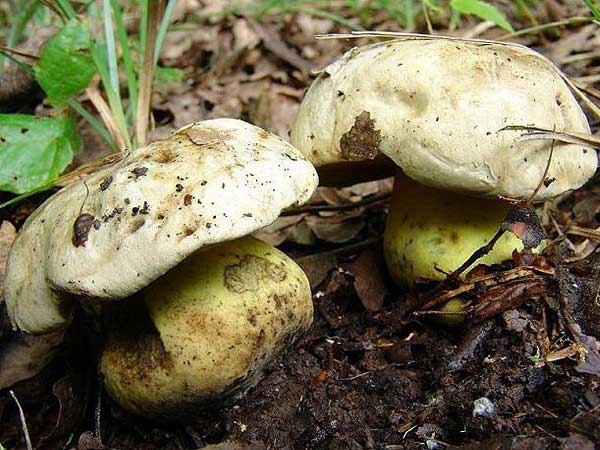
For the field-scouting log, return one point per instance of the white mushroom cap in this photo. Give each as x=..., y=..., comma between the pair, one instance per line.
x=436, y=107
x=114, y=232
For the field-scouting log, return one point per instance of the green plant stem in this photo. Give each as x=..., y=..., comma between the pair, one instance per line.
x=130, y=72
x=164, y=26
x=111, y=49
x=546, y=26
x=154, y=8
x=16, y=30
x=113, y=100
x=593, y=8
x=66, y=8
x=96, y=124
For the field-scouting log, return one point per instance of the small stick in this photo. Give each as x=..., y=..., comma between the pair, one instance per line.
x=480, y=252
x=317, y=208
x=18, y=52
x=106, y=114
x=545, y=174
x=98, y=416
x=145, y=95
x=23, y=422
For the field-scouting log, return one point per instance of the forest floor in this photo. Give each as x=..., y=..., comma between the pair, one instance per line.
x=370, y=374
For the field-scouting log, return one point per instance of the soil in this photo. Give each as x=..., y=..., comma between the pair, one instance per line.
x=364, y=380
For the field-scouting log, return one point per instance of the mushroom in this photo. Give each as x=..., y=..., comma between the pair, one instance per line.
x=204, y=307
x=441, y=109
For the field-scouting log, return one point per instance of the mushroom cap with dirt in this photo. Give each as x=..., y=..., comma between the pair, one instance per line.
x=183, y=207
x=443, y=110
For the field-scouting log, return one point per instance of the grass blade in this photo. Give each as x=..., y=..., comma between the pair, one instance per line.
x=66, y=8
x=143, y=26
x=114, y=101
x=153, y=10
x=16, y=30
x=593, y=8
x=130, y=72
x=96, y=124
x=111, y=50
x=162, y=31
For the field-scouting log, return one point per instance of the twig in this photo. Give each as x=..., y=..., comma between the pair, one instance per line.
x=544, y=175
x=18, y=52
x=426, y=16
x=580, y=57
x=574, y=85
x=480, y=252
x=478, y=29
x=155, y=8
x=570, y=137
x=319, y=208
x=98, y=416
x=107, y=115
x=589, y=233
x=588, y=90
x=23, y=422
x=485, y=280
x=545, y=26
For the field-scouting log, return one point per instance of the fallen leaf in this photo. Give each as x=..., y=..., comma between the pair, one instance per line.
x=71, y=395
x=274, y=113
x=318, y=266
x=368, y=280
x=287, y=228
x=339, y=228
x=8, y=233
x=244, y=37
x=23, y=356
x=273, y=42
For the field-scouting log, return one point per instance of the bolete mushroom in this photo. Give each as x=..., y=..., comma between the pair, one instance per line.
x=204, y=307
x=442, y=110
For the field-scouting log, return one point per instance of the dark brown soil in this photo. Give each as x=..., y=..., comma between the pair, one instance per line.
x=363, y=380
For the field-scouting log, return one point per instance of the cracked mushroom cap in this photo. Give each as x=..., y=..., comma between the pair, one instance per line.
x=112, y=233
x=437, y=108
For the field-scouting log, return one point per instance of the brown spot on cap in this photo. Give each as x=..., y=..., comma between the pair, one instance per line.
x=163, y=155
x=139, y=172
x=362, y=140
x=81, y=229
x=187, y=199
x=106, y=183
x=203, y=136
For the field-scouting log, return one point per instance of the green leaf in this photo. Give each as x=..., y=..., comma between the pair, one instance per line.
x=168, y=74
x=482, y=10
x=65, y=66
x=593, y=8
x=34, y=150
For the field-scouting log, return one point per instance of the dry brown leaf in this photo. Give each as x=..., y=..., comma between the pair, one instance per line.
x=275, y=113
x=287, y=228
x=23, y=356
x=179, y=43
x=186, y=108
x=317, y=267
x=340, y=228
x=70, y=392
x=244, y=37
x=368, y=280
x=183, y=8
x=273, y=42
x=8, y=233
